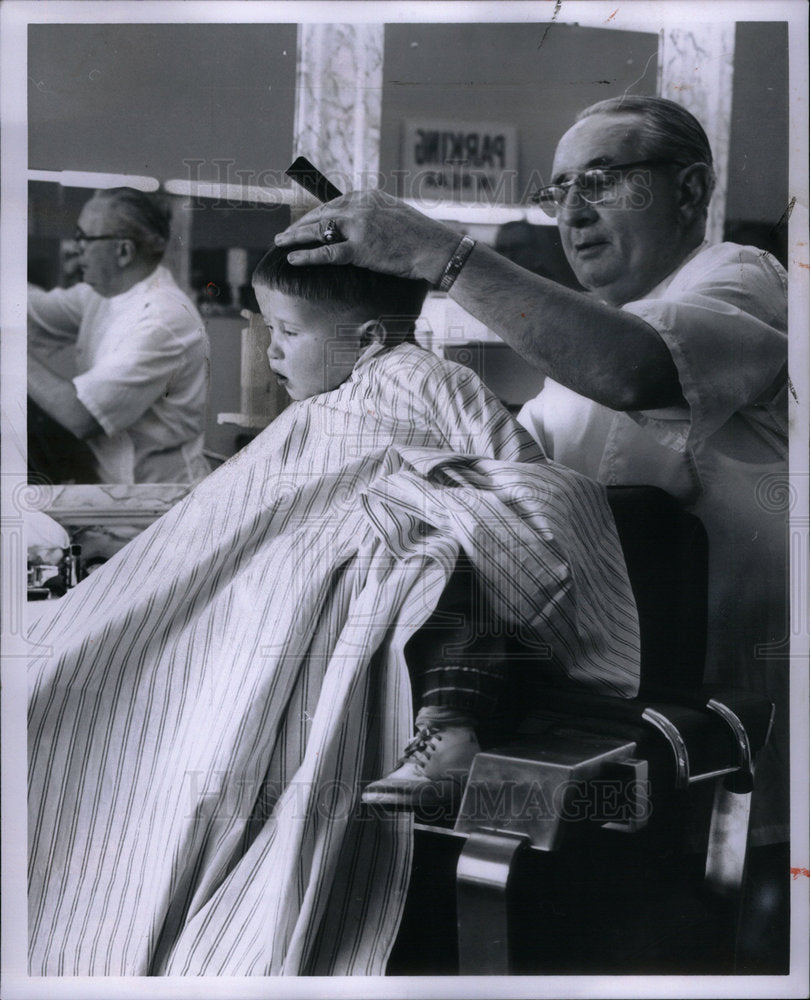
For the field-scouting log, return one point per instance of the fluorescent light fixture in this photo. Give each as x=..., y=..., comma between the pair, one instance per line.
x=236, y=193
x=85, y=179
x=474, y=213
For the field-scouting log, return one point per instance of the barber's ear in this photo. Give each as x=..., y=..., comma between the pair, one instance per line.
x=127, y=252
x=372, y=332
x=696, y=183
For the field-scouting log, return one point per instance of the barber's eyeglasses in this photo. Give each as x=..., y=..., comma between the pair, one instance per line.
x=80, y=237
x=597, y=186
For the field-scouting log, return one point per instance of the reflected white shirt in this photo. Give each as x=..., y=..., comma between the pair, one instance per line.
x=141, y=363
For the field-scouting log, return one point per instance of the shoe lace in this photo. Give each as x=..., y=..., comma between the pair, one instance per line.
x=421, y=747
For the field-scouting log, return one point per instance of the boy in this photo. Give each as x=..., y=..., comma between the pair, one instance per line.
x=214, y=721
x=327, y=325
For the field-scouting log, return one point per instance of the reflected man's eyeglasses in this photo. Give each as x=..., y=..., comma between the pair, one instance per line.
x=596, y=186
x=80, y=237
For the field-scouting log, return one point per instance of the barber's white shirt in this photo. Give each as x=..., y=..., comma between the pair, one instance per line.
x=141, y=364
x=723, y=316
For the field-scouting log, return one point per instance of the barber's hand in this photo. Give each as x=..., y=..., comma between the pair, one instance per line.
x=376, y=231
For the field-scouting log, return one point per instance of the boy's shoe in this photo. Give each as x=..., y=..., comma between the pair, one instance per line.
x=432, y=771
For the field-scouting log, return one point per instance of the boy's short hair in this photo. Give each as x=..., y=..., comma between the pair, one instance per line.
x=396, y=302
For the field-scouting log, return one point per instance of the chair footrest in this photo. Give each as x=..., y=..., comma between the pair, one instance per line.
x=532, y=789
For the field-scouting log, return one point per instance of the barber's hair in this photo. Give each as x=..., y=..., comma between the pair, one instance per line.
x=144, y=218
x=396, y=302
x=669, y=131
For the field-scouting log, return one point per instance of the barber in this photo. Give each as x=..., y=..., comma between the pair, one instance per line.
x=138, y=394
x=671, y=372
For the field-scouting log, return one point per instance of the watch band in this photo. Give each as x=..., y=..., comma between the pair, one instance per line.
x=455, y=264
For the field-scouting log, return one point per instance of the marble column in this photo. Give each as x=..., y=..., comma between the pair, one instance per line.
x=339, y=102
x=696, y=69
x=19, y=497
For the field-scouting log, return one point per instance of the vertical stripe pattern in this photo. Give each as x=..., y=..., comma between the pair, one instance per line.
x=221, y=689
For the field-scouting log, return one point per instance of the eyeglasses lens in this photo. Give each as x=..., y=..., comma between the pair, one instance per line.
x=593, y=187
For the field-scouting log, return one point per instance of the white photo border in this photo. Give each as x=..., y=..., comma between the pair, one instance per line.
x=15, y=16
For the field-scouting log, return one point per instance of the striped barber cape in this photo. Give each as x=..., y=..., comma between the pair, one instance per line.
x=217, y=694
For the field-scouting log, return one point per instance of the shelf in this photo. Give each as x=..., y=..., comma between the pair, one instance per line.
x=251, y=421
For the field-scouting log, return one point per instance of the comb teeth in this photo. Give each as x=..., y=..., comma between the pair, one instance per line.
x=312, y=180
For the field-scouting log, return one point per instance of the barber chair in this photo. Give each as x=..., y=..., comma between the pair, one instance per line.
x=606, y=835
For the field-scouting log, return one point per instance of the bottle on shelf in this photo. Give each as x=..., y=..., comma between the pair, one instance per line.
x=70, y=566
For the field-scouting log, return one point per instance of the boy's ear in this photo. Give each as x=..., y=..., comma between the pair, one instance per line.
x=372, y=332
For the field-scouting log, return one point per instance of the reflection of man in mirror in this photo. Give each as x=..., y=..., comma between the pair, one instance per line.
x=118, y=361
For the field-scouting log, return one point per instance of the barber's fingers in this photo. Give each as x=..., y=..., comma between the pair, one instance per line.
x=353, y=213
x=302, y=231
x=329, y=253
x=309, y=228
x=377, y=231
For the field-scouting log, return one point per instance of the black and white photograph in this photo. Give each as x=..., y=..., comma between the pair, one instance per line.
x=405, y=521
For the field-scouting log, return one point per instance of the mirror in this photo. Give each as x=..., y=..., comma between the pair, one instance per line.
x=205, y=114
x=201, y=113
x=214, y=246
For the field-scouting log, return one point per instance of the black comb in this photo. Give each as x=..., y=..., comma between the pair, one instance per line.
x=312, y=180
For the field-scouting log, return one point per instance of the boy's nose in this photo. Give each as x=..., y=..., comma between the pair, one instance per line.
x=274, y=352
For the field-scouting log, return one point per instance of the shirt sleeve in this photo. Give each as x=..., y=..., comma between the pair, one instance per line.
x=121, y=386
x=726, y=329
x=54, y=317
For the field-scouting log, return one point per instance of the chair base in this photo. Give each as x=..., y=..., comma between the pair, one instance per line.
x=625, y=906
